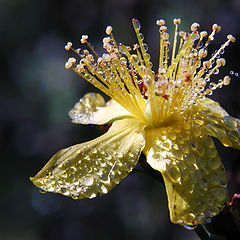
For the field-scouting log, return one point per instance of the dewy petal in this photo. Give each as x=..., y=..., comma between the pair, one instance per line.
x=95, y=167
x=219, y=124
x=92, y=109
x=193, y=173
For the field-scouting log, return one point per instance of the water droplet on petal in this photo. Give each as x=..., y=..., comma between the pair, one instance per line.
x=88, y=181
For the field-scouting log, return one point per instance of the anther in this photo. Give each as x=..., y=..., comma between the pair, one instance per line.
x=187, y=77
x=80, y=68
x=166, y=43
x=90, y=58
x=231, y=38
x=181, y=34
x=216, y=27
x=202, y=53
x=106, y=57
x=84, y=39
x=226, y=80
x=220, y=62
x=100, y=60
x=203, y=34
x=165, y=36
x=110, y=48
x=207, y=64
x=68, y=65
x=186, y=36
x=163, y=28
x=195, y=26
x=85, y=52
x=114, y=56
x=78, y=50
x=105, y=45
x=106, y=40
x=176, y=21
x=72, y=60
x=160, y=22
x=109, y=30
x=68, y=46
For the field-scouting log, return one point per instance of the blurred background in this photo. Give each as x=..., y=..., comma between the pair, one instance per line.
x=37, y=92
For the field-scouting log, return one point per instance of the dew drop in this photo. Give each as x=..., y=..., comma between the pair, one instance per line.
x=104, y=189
x=231, y=72
x=88, y=181
x=216, y=71
x=136, y=24
x=145, y=46
x=147, y=56
x=222, y=51
x=236, y=74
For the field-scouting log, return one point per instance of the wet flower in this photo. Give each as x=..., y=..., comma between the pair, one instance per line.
x=164, y=114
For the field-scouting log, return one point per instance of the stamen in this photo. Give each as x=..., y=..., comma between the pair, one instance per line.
x=125, y=74
x=176, y=22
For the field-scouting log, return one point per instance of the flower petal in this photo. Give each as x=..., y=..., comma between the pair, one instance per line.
x=92, y=109
x=193, y=173
x=219, y=124
x=95, y=167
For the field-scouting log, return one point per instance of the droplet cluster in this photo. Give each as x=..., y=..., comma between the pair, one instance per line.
x=84, y=109
x=93, y=168
x=223, y=127
x=192, y=170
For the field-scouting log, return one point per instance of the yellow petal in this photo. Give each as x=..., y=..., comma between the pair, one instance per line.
x=95, y=167
x=193, y=173
x=219, y=124
x=92, y=109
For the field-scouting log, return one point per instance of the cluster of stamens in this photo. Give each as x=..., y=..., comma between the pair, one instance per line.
x=125, y=73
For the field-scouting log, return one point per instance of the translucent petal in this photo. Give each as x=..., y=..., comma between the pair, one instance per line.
x=95, y=167
x=92, y=109
x=192, y=171
x=219, y=124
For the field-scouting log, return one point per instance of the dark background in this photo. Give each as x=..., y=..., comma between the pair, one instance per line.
x=37, y=92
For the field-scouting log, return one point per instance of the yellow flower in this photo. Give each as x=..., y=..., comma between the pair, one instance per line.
x=164, y=114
